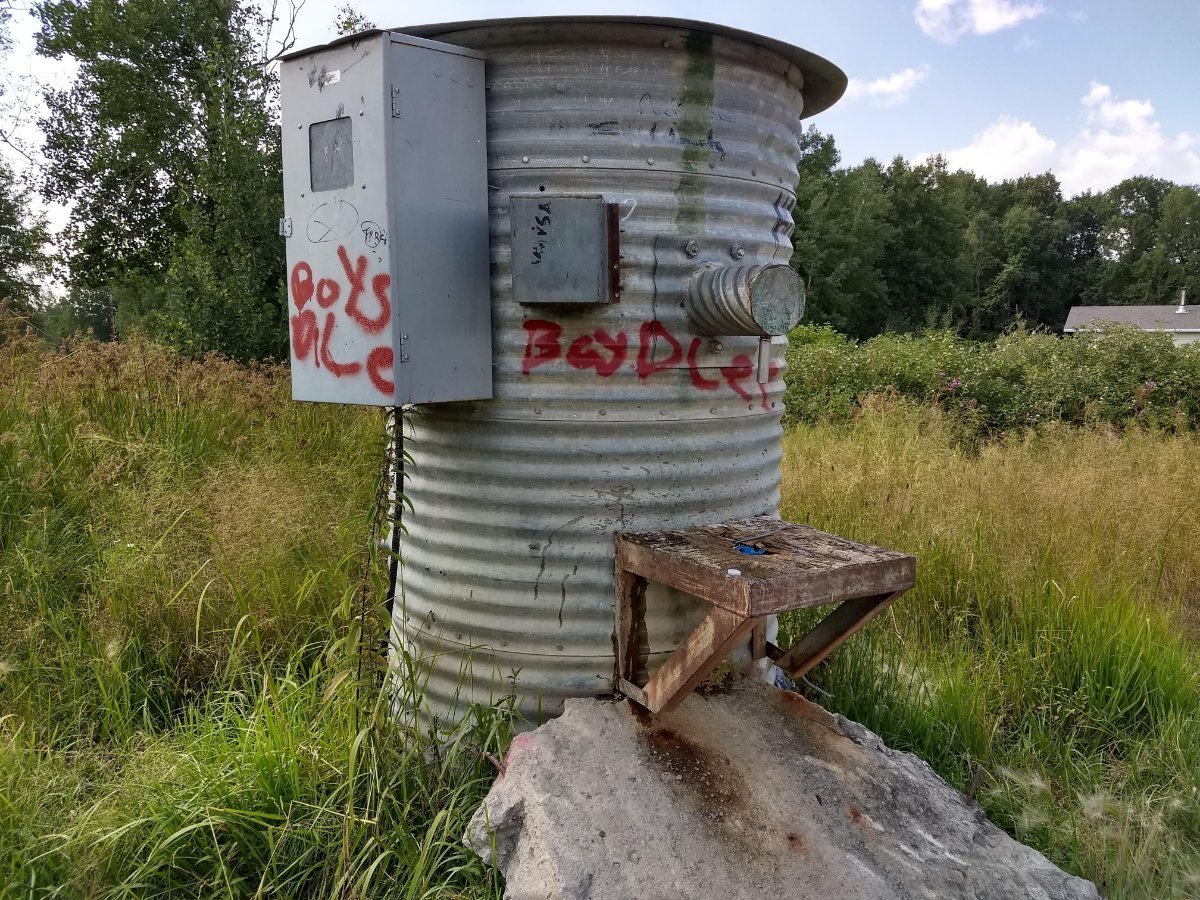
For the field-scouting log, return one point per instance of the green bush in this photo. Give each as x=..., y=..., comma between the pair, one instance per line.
x=1024, y=379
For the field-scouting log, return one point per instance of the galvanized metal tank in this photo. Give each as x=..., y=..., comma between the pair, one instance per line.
x=638, y=414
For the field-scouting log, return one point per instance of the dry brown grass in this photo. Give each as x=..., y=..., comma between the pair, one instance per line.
x=1119, y=510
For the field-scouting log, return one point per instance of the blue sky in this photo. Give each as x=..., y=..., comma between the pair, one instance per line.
x=998, y=85
x=1095, y=90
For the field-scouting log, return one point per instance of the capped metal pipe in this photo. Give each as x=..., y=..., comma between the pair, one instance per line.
x=761, y=301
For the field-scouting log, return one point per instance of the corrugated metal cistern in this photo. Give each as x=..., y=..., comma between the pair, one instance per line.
x=621, y=415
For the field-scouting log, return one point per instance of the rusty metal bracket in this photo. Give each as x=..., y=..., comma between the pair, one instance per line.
x=792, y=567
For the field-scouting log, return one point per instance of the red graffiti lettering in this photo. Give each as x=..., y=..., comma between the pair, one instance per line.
x=740, y=368
x=772, y=370
x=336, y=368
x=698, y=379
x=305, y=334
x=302, y=284
x=328, y=292
x=356, y=276
x=582, y=353
x=542, y=344
x=312, y=337
x=646, y=336
x=377, y=360
x=379, y=284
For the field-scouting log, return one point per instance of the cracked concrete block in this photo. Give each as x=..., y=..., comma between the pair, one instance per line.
x=749, y=793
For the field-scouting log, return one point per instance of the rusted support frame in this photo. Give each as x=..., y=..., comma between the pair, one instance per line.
x=831, y=632
x=758, y=640
x=709, y=643
x=633, y=646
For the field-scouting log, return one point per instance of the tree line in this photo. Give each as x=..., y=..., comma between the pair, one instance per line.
x=166, y=145
x=907, y=246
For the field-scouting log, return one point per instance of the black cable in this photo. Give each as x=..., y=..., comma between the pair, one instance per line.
x=396, y=519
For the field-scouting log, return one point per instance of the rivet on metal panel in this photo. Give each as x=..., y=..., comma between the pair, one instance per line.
x=558, y=647
x=587, y=159
x=470, y=82
x=537, y=410
x=604, y=412
x=524, y=159
x=364, y=187
x=437, y=73
x=715, y=346
x=454, y=77
x=691, y=248
x=737, y=251
x=650, y=160
x=666, y=43
x=300, y=127
x=754, y=171
x=360, y=112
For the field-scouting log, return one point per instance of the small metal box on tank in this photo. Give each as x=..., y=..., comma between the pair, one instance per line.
x=564, y=249
x=386, y=221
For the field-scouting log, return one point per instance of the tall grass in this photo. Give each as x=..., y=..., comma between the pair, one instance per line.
x=182, y=711
x=1047, y=658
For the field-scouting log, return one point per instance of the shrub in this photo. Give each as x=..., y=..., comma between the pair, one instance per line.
x=1024, y=379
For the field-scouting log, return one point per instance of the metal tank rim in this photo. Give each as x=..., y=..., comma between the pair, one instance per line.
x=824, y=82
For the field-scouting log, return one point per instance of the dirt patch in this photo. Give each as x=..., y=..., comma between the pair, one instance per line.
x=708, y=777
x=706, y=781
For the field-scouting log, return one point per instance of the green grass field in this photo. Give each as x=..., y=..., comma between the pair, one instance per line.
x=189, y=699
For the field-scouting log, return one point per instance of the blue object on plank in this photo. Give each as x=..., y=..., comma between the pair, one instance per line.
x=749, y=549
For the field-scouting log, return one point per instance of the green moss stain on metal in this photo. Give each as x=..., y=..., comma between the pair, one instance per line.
x=695, y=127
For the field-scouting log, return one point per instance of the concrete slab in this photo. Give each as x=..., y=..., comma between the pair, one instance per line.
x=751, y=792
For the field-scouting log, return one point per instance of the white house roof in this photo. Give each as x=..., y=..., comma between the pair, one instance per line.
x=1147, y=318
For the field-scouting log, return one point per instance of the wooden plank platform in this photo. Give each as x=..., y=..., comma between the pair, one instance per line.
x=788, y=566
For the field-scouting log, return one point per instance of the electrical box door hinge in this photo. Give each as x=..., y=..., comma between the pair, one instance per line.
x=285, y=227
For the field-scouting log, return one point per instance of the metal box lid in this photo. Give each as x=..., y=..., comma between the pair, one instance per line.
x=562, y=249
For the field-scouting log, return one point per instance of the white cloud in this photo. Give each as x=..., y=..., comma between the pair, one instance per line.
x=1008, y=148
x=948, y=20
x=890, y=89
x=1119, y=138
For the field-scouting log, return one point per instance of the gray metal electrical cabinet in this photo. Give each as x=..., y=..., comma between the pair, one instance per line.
x=386, y=221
